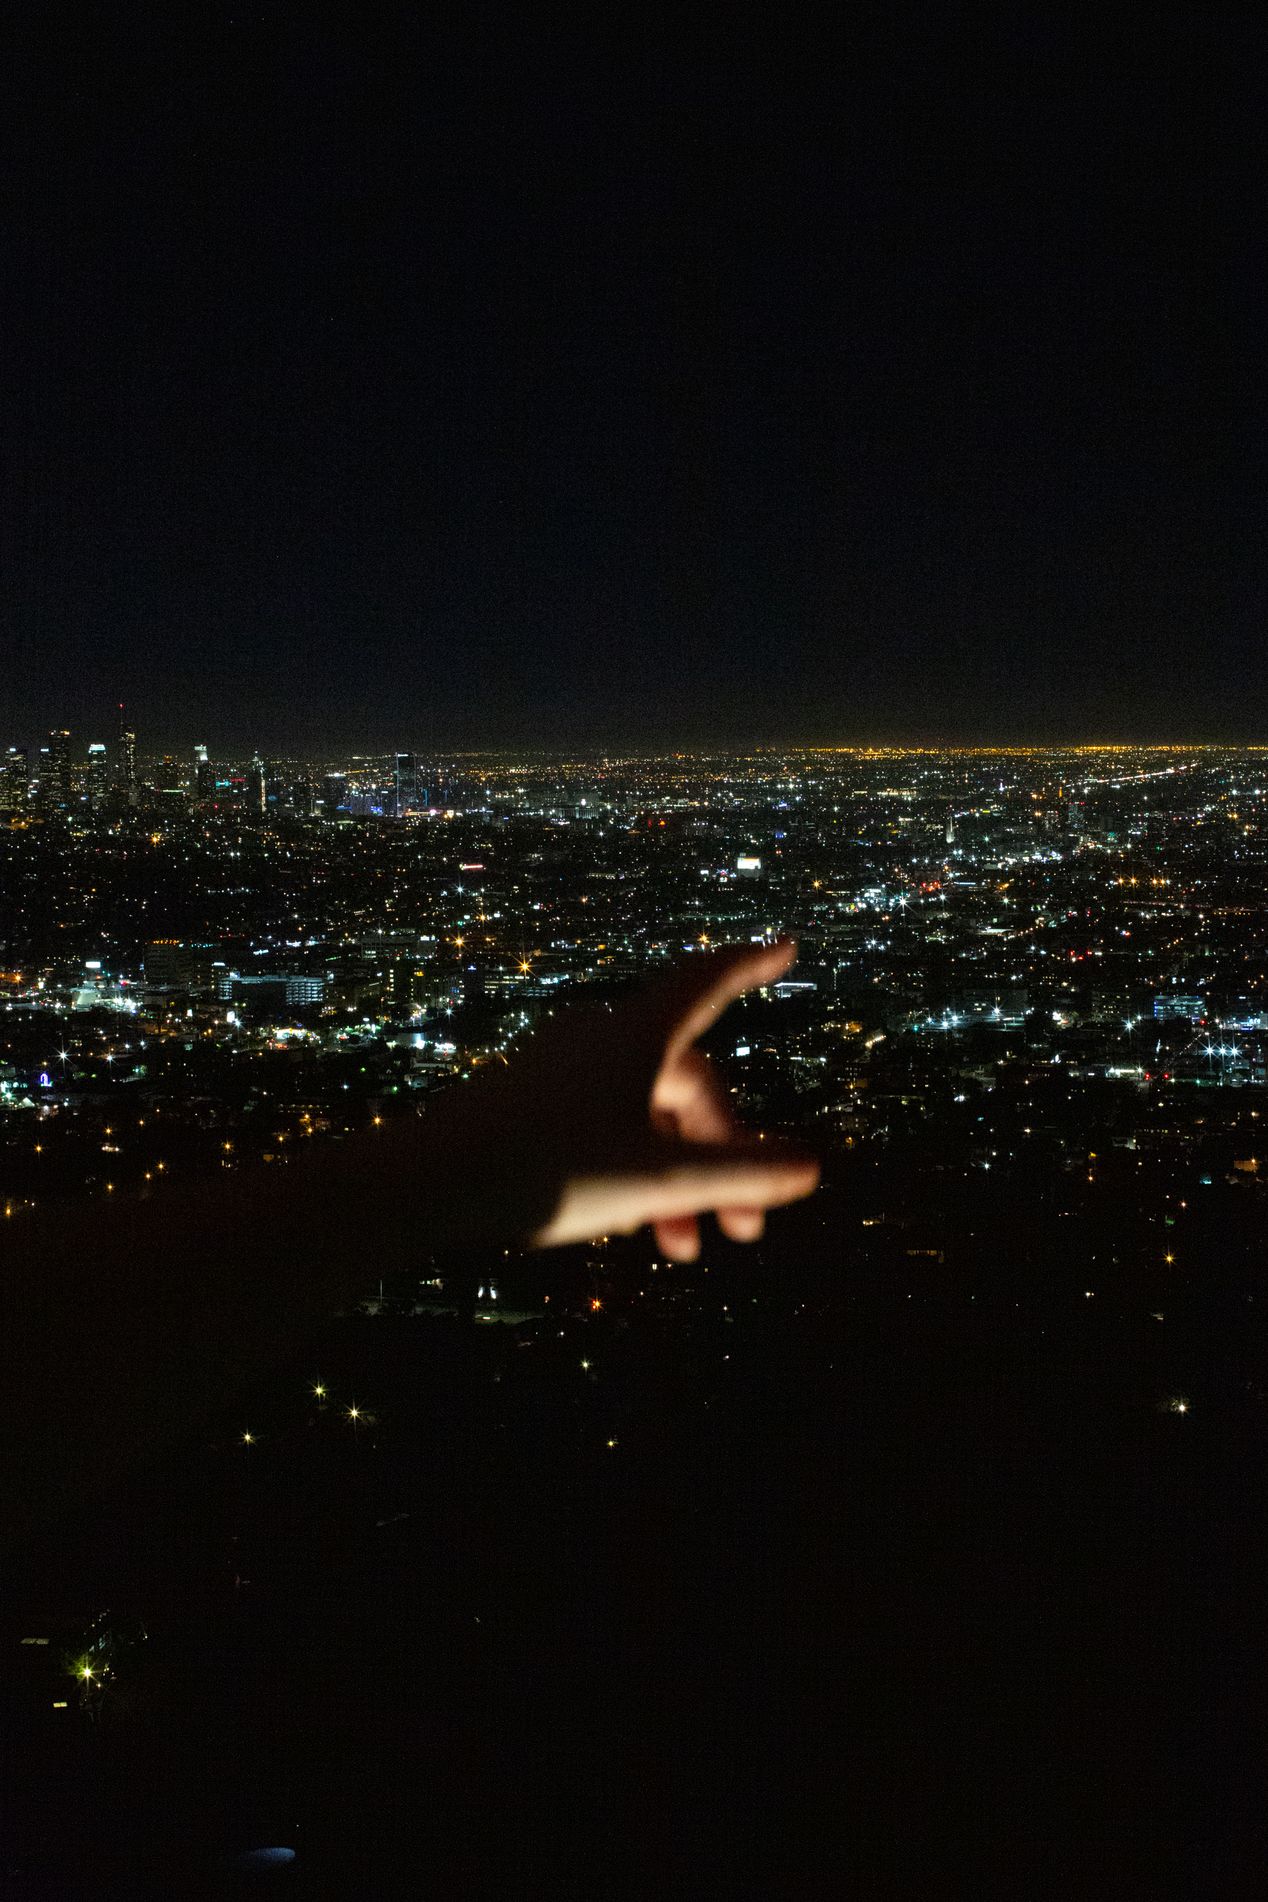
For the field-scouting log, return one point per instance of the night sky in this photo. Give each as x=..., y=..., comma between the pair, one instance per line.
x=632, y=382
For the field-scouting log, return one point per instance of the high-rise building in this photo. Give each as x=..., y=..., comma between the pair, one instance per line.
x=15, y=779
x=169, y=779
x=55, y=776
x=177, y=964
x=257, y=785
x=334, y=794
x=406, y=784
x=204, y=777
x=96, y=784
x=127, y=760
x=295, y=795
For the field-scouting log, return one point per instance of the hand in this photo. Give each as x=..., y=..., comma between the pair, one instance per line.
x=611, y=1118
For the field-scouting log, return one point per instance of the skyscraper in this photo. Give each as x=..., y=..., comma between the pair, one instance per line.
x=15, y=779
x=56, y=789
x=127, y=760
x=406, y=783
x=257, y=785
x=169, y=779
x=204, y=778
x=96, y=783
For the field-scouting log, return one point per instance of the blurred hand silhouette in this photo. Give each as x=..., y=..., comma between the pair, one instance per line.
x=607, y=1119
x=610, y=1118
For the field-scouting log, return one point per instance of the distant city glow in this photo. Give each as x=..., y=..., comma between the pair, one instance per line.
x=1040, y=966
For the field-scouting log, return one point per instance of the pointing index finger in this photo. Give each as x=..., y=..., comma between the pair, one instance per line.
x=706, y=982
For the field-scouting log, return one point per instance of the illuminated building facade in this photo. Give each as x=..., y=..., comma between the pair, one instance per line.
x=15, y=779
x=126, y=762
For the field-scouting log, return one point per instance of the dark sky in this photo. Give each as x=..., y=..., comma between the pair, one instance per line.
x=633, y=382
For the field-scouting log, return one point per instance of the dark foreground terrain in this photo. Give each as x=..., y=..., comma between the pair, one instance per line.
x=825, y=1574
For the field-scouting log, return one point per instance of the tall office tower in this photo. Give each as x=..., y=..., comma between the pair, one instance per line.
x=950, y=832
x=257, y=785
x=57, y=752
x=97, y=778
x=127, y=760
x=169, y=779
x=406, y=784
x=15, y=779
x=204, y=778
x=334, y=794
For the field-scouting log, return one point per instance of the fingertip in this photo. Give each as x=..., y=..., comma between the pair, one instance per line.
x=742, y=1224
x=796, y=1178
x=678, y=1237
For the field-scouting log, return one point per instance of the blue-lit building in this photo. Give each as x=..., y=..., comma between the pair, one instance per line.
x=1169, y=1009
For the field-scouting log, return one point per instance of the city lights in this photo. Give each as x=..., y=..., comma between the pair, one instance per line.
x=632, y=649
x=1003, y=955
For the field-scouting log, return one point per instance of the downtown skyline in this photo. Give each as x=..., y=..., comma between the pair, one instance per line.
x=633, y=951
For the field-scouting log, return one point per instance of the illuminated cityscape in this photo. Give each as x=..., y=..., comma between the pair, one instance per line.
x=633, y=955
x=1027, y=1032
